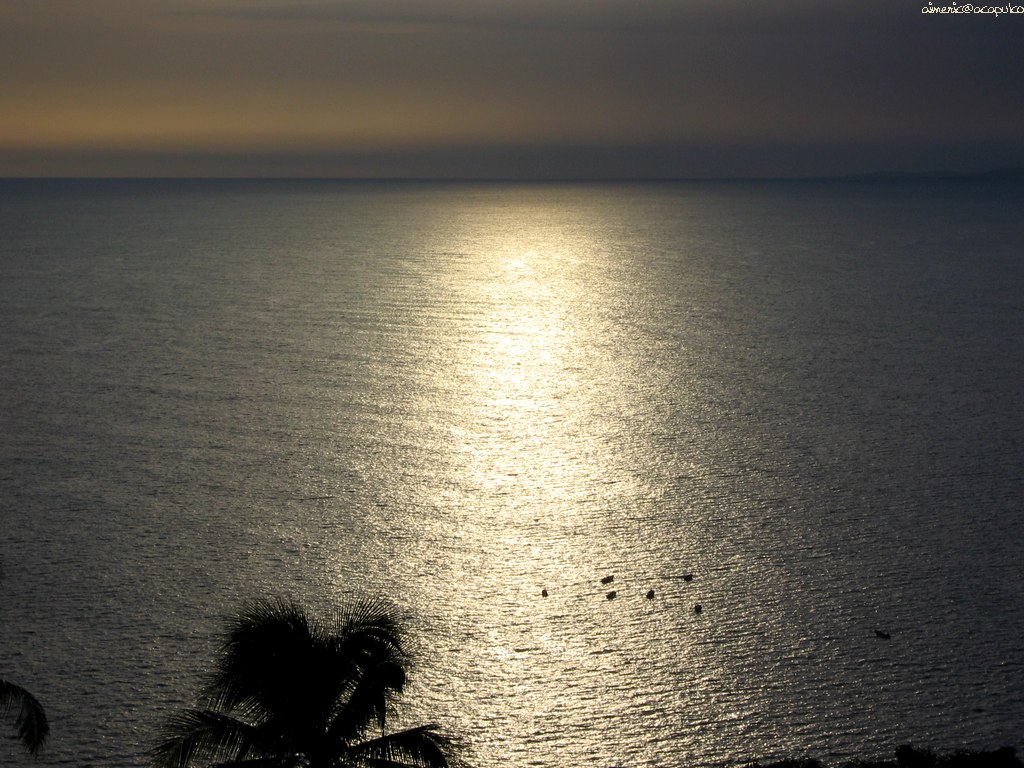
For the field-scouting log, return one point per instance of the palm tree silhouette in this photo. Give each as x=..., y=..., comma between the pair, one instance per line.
x=30, y=721
x=294, y=691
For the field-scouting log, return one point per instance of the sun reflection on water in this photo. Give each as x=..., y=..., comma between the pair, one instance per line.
x=537, y=488
x=523, y=459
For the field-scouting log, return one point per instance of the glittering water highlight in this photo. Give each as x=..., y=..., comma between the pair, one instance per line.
x=805, y=396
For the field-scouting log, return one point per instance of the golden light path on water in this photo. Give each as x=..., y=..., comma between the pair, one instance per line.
x=528, y=447
x=574, y=402
x=532, y=427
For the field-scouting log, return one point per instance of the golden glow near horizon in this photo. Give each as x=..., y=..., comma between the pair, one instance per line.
x=277, y=76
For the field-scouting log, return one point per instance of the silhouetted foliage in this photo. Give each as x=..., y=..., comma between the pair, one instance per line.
x=30, y=720
x=291, y=689
x=911, y=757
x=1004, y=757
x=908, y=757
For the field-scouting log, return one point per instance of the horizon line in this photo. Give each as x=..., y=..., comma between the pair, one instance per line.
x=998, y=174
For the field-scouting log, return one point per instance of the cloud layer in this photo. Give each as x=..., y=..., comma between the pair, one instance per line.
x=333, y=85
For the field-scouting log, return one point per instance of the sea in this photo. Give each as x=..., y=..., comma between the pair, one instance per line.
x=799, y=405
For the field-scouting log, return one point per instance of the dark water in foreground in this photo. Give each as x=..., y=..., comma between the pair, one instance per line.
x=807, y=395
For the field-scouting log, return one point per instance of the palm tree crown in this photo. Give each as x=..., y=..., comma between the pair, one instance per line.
x=294, y=691
x=30, y=721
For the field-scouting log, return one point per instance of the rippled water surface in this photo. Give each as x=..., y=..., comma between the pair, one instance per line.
x=807, y=396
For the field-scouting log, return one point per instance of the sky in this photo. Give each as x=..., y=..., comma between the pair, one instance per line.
x=506, y=88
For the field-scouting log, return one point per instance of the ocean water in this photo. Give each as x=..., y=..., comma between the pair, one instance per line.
x=809, y=396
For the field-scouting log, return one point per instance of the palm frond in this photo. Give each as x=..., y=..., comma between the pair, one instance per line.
x=273, y=761
x=369, y=702
x=376, y=617
x=294, y=689
x=280, y=662
x=421, y=747
x=203, y=737
x=372, y=642
x=370, y=630
x=263, y=639
x=30, y=720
